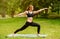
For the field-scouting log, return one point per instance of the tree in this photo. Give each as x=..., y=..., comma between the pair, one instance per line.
x=12, y=6
x=2, y=8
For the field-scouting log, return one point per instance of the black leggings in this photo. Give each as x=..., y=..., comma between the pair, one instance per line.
x=29, y=24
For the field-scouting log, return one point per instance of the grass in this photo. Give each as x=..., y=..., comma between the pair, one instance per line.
x=48, y=26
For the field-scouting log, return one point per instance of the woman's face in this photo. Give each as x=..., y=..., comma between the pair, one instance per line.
x=31, y=8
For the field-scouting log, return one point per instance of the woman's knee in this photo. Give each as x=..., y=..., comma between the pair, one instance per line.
x=38, y=25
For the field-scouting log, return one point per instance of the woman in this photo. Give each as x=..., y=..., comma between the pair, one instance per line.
x=30, y=13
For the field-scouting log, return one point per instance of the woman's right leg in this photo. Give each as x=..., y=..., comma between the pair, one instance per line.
x=36, y=25
x=24, y=27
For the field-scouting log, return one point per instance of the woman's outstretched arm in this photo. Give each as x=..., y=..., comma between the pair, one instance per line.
x=35, y=12
x=23, y=13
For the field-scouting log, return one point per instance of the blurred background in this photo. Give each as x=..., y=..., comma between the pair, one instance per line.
x=48, y=19
x=12, y=7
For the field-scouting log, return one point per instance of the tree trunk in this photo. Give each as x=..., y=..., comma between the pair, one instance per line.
x=3, y=15
x=12, y=13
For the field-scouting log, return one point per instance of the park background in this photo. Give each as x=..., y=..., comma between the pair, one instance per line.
x=48, y=19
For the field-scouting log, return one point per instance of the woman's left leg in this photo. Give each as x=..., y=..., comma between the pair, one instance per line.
x=36, y=25
x=22, y=28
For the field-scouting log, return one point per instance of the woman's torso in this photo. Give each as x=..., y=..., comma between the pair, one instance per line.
x=29, y=16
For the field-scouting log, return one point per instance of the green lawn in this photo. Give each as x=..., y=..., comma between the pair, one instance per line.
x=51, y=27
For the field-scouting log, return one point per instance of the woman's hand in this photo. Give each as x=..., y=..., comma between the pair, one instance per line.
x=45, y=8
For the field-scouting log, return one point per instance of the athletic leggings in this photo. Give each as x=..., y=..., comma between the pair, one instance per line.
x=29, y=24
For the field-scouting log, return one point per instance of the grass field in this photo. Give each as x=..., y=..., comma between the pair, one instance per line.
x=51, y=27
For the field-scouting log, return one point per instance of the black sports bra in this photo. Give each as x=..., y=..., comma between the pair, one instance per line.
x=30, y=14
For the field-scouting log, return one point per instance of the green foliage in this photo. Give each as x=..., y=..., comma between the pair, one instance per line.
x=7, y=6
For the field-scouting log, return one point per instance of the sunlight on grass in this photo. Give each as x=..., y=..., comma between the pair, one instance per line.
x=51, y=27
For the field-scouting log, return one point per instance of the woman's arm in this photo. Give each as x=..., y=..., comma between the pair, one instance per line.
x=35, y=12
x=23, y=13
